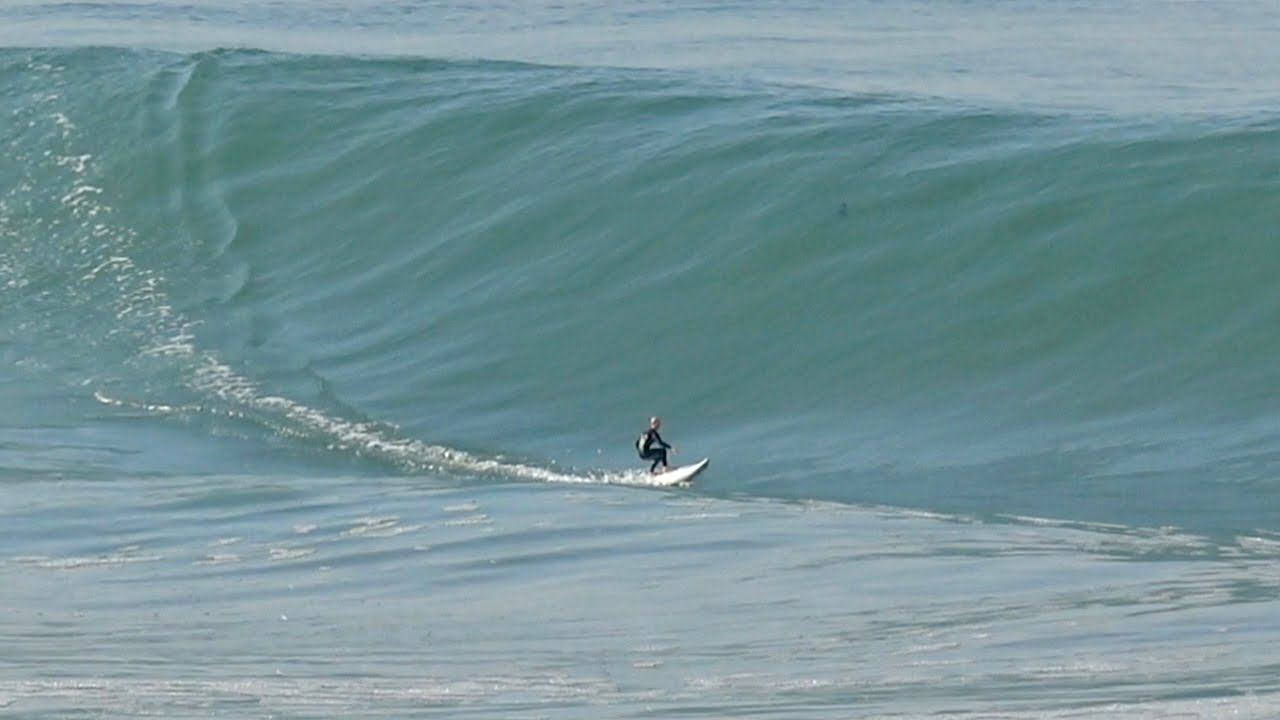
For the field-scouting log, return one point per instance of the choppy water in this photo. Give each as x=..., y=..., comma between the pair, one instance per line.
x=326, y=329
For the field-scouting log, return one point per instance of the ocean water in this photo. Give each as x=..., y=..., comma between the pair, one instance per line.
x=326, y=329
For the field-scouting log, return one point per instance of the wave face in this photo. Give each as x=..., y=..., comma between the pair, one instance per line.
x=502, y=269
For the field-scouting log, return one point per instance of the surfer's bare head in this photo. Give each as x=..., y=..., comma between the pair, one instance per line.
x=655, y=422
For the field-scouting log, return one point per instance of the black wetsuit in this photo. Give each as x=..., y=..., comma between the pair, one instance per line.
x=651, y=446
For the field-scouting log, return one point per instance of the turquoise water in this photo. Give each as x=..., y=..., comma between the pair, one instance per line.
x=327, y=329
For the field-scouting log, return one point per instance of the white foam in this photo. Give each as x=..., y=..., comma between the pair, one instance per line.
x=1259, y=545
x=705, y=516
x=143, y=307
x=288, y=553
x=123, y=556
x=219, y=559
x=379, y=527
x=477, y=519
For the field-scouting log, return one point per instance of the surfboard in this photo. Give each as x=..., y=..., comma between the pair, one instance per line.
x=681, y=475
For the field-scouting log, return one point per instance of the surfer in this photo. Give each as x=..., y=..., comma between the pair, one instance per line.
x=651, y=446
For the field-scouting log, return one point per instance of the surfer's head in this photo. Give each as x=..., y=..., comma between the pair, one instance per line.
x=655, y=422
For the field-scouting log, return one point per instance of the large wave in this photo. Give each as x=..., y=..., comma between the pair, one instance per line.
x=525, y=260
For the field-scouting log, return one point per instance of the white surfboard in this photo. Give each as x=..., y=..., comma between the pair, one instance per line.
x=682, y=474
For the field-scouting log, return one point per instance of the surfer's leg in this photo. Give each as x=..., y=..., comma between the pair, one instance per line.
x=660, y=456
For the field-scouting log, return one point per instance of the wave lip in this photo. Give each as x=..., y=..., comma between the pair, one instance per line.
x=990, y=54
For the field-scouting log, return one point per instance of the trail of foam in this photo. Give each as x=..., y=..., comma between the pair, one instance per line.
x=161, y=338
x=363, y=439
